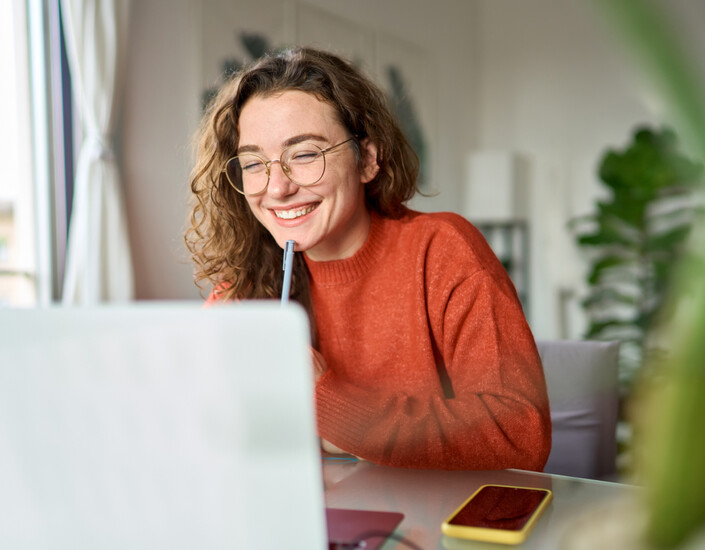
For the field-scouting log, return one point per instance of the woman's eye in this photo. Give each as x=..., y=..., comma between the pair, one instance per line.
x=304, y=156
x=252, y=166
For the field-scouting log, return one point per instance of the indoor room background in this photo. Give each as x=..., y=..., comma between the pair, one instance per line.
x=512, y=106
x=517, y=103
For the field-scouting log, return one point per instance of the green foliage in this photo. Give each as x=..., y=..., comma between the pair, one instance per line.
x=674, y=440
x=675, y=463
x=635, y=237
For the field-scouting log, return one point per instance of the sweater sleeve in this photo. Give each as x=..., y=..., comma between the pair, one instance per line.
x=490, y=412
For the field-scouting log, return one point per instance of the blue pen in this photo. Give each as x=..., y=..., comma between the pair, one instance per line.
x=287, y=266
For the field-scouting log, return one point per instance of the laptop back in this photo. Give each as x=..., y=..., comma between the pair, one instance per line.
x=158, y=426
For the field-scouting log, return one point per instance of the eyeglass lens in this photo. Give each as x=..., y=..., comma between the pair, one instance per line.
x=303, y=163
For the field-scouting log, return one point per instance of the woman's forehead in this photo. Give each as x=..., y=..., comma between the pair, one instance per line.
x=275, y=118
x=287, y=102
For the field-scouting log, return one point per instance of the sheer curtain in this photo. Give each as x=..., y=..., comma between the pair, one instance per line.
x=98, y=263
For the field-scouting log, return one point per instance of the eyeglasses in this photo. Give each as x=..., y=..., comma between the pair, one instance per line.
x=303, y=163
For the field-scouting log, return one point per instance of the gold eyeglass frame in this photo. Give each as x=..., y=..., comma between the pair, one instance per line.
x=284, y=166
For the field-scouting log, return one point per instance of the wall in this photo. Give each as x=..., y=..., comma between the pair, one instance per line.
x=160, y=113
x=552, y=91
x=557, y=88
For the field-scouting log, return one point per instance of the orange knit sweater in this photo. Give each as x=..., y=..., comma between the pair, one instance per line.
x=431, y=363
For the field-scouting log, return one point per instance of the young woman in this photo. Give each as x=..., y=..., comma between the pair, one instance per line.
x=422, y=355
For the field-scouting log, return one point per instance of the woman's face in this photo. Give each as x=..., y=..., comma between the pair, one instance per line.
x=329, y=220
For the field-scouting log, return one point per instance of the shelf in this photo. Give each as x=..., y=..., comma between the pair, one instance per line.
x=510, y=242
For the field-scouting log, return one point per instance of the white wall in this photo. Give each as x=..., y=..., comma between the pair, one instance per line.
x=557, y=88
x=160, y=113
x=539, y=78
x=553, y=91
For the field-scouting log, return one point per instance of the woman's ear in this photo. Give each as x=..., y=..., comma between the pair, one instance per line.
x=368, y=161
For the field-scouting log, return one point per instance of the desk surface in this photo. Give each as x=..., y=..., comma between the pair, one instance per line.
x=427, y=497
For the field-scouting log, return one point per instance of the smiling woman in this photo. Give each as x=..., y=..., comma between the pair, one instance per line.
x=422, y=356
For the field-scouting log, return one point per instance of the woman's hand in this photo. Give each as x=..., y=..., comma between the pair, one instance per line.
x=319, y=369
x=328, y=447
x=319, y=365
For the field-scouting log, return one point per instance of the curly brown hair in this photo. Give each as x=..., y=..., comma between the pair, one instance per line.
x=232, y=251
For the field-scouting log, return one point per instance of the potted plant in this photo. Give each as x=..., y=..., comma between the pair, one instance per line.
x=634, y=238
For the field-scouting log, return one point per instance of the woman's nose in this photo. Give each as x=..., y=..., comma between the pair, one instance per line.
x=279, y=184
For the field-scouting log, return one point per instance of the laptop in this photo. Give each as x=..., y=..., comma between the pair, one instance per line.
x=159, y=425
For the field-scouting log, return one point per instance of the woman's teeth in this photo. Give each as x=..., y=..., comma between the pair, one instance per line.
x=296, y=213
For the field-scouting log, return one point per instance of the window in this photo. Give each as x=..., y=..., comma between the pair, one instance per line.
x=17, y=237
x=36, y=152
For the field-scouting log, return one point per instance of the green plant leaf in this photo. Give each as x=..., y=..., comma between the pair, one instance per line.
x=679, y=214
x=668, y=240
x=605, y=265
x=608, y=297
x=623, y=210
x=603, y=327
x=606, y=235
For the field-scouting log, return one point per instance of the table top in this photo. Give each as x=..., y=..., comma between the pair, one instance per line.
x=427, y=497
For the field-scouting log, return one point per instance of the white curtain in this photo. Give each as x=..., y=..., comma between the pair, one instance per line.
x=98, y=262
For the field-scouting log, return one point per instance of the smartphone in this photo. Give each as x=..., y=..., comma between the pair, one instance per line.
x=498, y=513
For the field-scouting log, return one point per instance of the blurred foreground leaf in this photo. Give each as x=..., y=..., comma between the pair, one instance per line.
x=673, y=413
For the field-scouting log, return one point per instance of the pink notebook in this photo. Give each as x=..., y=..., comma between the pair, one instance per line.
x=358, y=529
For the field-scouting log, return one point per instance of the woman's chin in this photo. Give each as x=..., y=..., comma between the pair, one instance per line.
x=298, y=246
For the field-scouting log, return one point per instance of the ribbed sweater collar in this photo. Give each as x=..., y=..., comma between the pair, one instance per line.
x=338, y=272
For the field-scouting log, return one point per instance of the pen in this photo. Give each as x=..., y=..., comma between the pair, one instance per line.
x=287, y=266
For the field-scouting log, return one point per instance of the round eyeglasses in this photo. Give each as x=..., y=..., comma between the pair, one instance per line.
x=303, y=163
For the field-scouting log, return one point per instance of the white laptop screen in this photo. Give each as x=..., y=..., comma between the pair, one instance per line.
x=158, y=426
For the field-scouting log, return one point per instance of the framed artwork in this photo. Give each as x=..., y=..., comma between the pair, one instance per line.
x=235, y=33
x=406, y=72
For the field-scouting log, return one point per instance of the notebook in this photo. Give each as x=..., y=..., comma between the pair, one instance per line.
x=158, y=426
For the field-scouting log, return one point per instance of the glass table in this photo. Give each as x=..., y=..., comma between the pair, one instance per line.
x=574, y=520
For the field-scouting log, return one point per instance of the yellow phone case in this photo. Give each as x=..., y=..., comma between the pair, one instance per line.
x=501, y=536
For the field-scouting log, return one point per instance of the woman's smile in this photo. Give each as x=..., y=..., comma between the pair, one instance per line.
x=295, y=212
